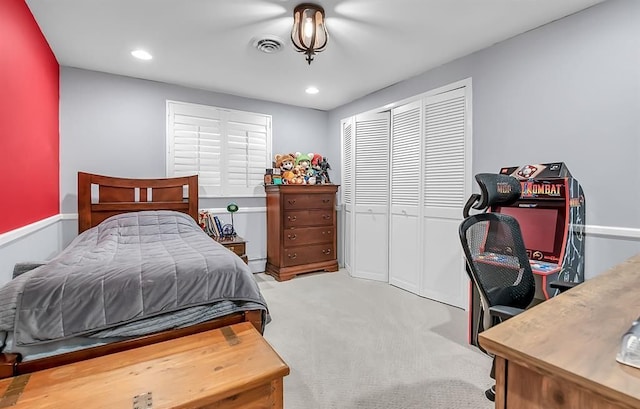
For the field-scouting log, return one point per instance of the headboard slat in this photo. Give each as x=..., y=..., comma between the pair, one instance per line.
x=163, y=194
x=116, y=194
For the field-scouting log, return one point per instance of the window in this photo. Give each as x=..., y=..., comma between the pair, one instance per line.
x=228, y=149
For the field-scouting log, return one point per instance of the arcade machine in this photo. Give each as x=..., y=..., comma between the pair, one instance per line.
x=551, y=214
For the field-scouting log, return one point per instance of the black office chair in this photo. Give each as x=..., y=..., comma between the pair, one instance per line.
x=496, y=257
x=497, y=261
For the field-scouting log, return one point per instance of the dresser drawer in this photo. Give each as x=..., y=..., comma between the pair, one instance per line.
x=236, y=244
x=295, y=218
x=238, y=248
x=308, y=235
x=308, y=254
x=302, y=202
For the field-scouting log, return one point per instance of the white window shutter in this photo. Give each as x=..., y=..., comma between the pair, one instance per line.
x=372, y=159
x=406, y=154
x=246, y=152
x=444, y=129
x=229, y=150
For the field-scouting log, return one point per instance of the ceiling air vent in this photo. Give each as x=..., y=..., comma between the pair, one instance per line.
x=268, y=44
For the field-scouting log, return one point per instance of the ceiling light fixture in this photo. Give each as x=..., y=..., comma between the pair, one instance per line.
x=141, y=54
x=309, y=33
x=312, y=90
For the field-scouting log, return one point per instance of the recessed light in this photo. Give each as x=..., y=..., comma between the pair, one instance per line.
x=312, y=90
x=141, y=54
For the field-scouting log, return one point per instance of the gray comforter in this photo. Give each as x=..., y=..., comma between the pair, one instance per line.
x=130, y=267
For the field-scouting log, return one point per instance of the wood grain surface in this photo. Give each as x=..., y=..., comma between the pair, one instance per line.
x=571, y=341
x=231, y=367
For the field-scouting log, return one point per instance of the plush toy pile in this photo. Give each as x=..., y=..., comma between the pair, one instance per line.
x=300, y=169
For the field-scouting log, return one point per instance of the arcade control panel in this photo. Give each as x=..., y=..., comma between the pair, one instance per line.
x=538, y=267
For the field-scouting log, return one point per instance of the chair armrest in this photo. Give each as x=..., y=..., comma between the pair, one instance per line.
x=562, y=285
x=504, y=312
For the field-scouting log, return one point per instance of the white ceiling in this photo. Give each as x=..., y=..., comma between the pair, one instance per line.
x=207, y=44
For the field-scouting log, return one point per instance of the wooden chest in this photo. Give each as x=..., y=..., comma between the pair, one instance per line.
x=301, y=229
x=228, y=368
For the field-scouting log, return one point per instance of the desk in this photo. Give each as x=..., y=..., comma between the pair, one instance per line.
x=562, y=353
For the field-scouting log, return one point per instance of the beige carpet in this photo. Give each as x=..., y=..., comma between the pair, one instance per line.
x=353, y=343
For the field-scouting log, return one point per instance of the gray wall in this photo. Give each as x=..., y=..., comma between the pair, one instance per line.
x=116, y=126
x=568, y=91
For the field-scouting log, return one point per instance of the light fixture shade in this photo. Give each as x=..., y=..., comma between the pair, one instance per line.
x=309, y=33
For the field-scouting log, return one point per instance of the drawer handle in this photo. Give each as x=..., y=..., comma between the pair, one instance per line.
x=326, y=200
x=292, y=236
x=326, y=232
x=292, y=218
x=327, y=251
x=326, y=216
x=292, y=256
x=292, y=201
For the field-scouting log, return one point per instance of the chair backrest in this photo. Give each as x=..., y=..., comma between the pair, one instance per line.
x=497, y=259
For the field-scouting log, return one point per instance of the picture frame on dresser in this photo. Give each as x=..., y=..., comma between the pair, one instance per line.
x=301, y=230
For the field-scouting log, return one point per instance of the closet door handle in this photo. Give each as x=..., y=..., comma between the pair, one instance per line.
x=292, y=256
x=292, y=236
x=292, y=218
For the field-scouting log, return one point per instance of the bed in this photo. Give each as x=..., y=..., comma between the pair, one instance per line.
x=140, y=271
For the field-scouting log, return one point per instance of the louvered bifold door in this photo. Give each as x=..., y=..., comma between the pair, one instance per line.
x=371, y=200
x=446, y=186
x=406, y=169
x=194, y=134
x=348, y=192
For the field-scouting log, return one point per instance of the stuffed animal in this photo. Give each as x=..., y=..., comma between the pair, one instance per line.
x=298, y=171
x=304, y=160
x=286, y=163
x=315, y=160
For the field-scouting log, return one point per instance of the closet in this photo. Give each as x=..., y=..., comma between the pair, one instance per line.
x=406, y=177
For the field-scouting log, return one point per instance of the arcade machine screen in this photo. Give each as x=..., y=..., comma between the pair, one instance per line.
x=539, y=228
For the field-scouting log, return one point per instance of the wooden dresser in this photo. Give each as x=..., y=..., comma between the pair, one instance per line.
x=301, y=229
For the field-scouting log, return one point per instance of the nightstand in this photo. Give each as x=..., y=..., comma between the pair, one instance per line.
x=236, y=244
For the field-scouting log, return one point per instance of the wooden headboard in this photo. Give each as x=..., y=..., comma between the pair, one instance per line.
x=121, y=195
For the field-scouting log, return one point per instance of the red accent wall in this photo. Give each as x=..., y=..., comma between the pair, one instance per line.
x=29, y=124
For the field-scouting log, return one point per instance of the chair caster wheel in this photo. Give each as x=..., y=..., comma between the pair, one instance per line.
x=491, y=393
